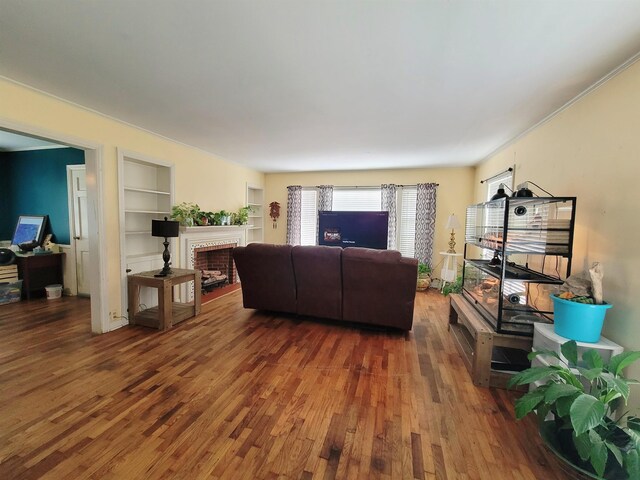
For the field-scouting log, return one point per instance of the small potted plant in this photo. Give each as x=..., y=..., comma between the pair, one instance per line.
x=575, y=403
x=188, y=214
x=241, y=217
x=453, y=287
x=424, y=277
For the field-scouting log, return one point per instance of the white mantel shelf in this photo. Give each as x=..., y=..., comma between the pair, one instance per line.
x=212, y=229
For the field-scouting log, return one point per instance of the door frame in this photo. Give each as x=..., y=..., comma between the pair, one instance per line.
x=94, y=163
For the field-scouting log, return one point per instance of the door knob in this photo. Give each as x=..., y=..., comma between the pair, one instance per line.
x=76, y=238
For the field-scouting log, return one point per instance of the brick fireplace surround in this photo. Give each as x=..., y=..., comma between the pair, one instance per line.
x=208, y=240
x=216, y=257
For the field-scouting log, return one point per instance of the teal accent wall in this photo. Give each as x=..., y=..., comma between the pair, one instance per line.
x=34, y=182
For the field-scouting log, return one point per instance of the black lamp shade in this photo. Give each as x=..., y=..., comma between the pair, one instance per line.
x=165, y=228
x=499, y=194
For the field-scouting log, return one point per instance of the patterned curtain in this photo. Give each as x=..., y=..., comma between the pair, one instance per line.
x=388, y=198
x=325, y=203
x=425, y=221
x=294, y=214
x=325, y=198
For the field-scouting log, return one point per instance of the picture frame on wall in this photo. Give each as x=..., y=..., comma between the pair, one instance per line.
x=30, y=228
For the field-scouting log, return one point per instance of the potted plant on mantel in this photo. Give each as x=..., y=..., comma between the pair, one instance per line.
x=575, y=403
x=190, y=215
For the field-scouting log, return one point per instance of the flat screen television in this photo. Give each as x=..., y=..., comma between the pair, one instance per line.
x=353, y=229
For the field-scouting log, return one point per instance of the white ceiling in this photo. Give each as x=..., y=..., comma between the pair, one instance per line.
x=294, y=85
x=11, y=142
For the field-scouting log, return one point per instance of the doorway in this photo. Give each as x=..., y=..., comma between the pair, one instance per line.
x=98, y=287
x=78, y=225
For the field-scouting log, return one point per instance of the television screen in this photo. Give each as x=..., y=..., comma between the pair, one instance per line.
x=353, y=229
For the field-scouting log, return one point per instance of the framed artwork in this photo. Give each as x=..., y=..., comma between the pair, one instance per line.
x=29, y=228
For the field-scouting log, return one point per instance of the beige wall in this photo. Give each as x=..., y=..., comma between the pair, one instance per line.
x=454, y=194
x=592, y=151
x=213, y=183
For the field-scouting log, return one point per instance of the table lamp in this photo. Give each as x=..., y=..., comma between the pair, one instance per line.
x=168, y=229
x=452, y=223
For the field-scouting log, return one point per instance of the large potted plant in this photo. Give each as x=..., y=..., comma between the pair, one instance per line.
x=424, y=277
x=576, y=408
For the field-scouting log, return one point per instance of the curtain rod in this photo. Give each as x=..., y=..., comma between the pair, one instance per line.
x=510, y=169
x=362, y=186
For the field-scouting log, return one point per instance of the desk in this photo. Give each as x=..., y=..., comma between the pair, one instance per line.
x=168, y=312
x=38, y=271
x=449, y=271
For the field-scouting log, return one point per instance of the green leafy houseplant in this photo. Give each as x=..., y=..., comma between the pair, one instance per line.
x=575, y=409
x=186, y=213
x=424, y=277
x=454, y=287
x=241, y=217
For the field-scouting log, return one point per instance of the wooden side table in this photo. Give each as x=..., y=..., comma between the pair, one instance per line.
x=38, y=271
x=168, y=312
x=475, y=338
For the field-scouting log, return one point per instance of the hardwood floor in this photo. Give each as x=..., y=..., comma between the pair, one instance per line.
x=240, y=394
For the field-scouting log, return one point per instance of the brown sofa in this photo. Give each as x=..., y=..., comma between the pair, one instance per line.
x=361, y=285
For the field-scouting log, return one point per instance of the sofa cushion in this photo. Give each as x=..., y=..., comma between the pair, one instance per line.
x=378, y=287
x=318, y=271
x=266, y=276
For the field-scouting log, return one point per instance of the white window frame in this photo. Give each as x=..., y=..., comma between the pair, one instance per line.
x=494, y=183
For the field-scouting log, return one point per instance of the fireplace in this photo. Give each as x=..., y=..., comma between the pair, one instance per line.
x=209, y=242
x=216, y=264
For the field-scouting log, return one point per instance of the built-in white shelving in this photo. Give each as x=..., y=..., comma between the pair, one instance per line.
x=255, y=200
x=146, y=193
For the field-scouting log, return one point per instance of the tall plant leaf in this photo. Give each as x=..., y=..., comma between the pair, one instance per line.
x=599, y=453
x=617, y=384
x=590, y=374
x=563, y=405
x=568, y=376
x=531, y=375
x=592, y=359
x=616, y=452
x=586, y=412
x=622, y=361
x=570, y=351
x=557, y=390
x=527, y=403
x=583, y=445
x=632, y=464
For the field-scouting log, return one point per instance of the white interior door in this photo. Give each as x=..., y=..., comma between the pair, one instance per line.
x=80, y=230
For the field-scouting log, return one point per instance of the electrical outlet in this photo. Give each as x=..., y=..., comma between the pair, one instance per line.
x=113, y=315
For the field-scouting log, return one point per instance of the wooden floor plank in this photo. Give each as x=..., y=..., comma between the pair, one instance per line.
x=235, y=394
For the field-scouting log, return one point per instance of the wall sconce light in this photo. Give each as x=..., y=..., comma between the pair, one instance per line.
x=452, y=224
x=168, y=229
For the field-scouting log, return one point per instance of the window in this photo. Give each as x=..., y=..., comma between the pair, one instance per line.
x=356, y=199
x=309, y=216
x=365, y=199
x=406, y=221
x=494, y=184
x=494, y=218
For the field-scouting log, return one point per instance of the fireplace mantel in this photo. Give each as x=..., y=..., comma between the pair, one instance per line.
x=192, y=238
